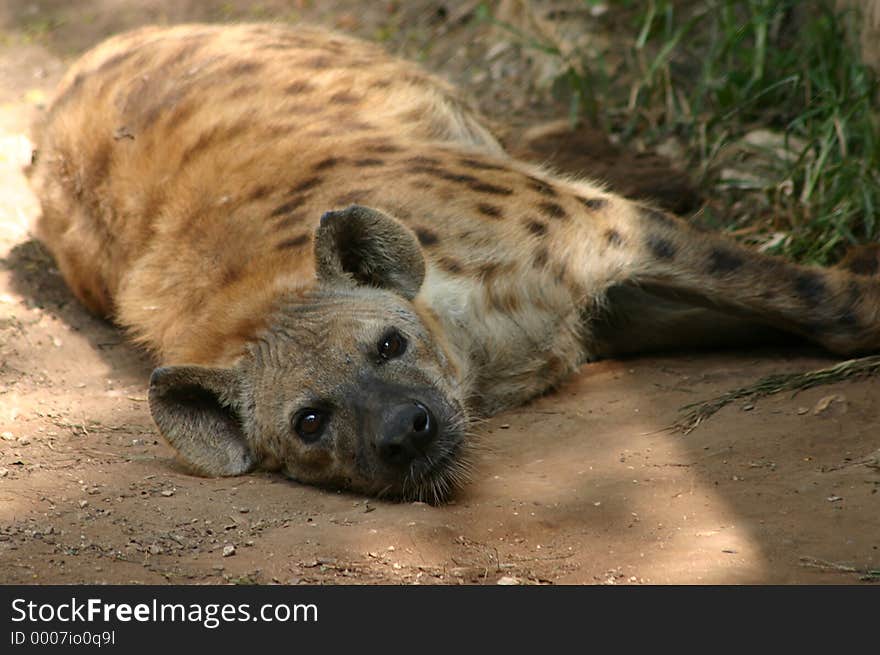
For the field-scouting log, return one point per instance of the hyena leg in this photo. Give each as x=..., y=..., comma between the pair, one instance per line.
x=635, y=320
x=633, y=244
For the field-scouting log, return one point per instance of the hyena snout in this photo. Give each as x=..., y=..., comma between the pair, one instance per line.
x=407, y=432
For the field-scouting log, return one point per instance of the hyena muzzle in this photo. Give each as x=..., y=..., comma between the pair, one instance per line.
x=338, y=267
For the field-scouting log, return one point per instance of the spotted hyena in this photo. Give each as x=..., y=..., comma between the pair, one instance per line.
x=337, y=266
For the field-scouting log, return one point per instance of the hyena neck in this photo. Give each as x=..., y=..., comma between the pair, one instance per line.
x=444, y=305
x=505, y=354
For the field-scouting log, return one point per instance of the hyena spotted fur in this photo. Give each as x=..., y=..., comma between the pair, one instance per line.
x=338, y=267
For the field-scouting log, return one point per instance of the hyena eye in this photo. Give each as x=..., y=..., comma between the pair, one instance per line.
x=309, y=424
x=392, y=344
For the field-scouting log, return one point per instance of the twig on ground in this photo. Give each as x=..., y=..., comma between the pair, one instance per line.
x=850, y=369
x=865, y=573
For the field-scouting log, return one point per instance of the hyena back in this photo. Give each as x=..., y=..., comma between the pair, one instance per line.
x=337, y=266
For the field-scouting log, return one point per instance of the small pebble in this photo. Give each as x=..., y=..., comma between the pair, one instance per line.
x=835, y=403
x=228, y=550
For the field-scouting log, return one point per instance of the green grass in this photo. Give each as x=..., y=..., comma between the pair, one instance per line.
x=718, y=74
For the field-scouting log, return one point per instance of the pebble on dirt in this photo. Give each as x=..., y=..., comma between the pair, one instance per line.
x=508, y=580
x=836, y=402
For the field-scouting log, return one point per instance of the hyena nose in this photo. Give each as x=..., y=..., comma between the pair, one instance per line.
x=408, y=431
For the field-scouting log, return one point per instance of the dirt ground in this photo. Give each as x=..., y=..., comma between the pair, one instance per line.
x=582, y=486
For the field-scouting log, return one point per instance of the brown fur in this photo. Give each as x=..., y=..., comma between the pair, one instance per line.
x=183, y=173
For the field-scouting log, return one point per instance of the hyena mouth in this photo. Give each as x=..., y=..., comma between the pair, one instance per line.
x=418, y=450
x=436, y=476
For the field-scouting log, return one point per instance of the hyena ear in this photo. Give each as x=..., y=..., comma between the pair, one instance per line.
x=370, y=248
x=195, y=410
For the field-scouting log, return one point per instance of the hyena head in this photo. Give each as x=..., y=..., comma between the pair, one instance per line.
x=349, y=386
